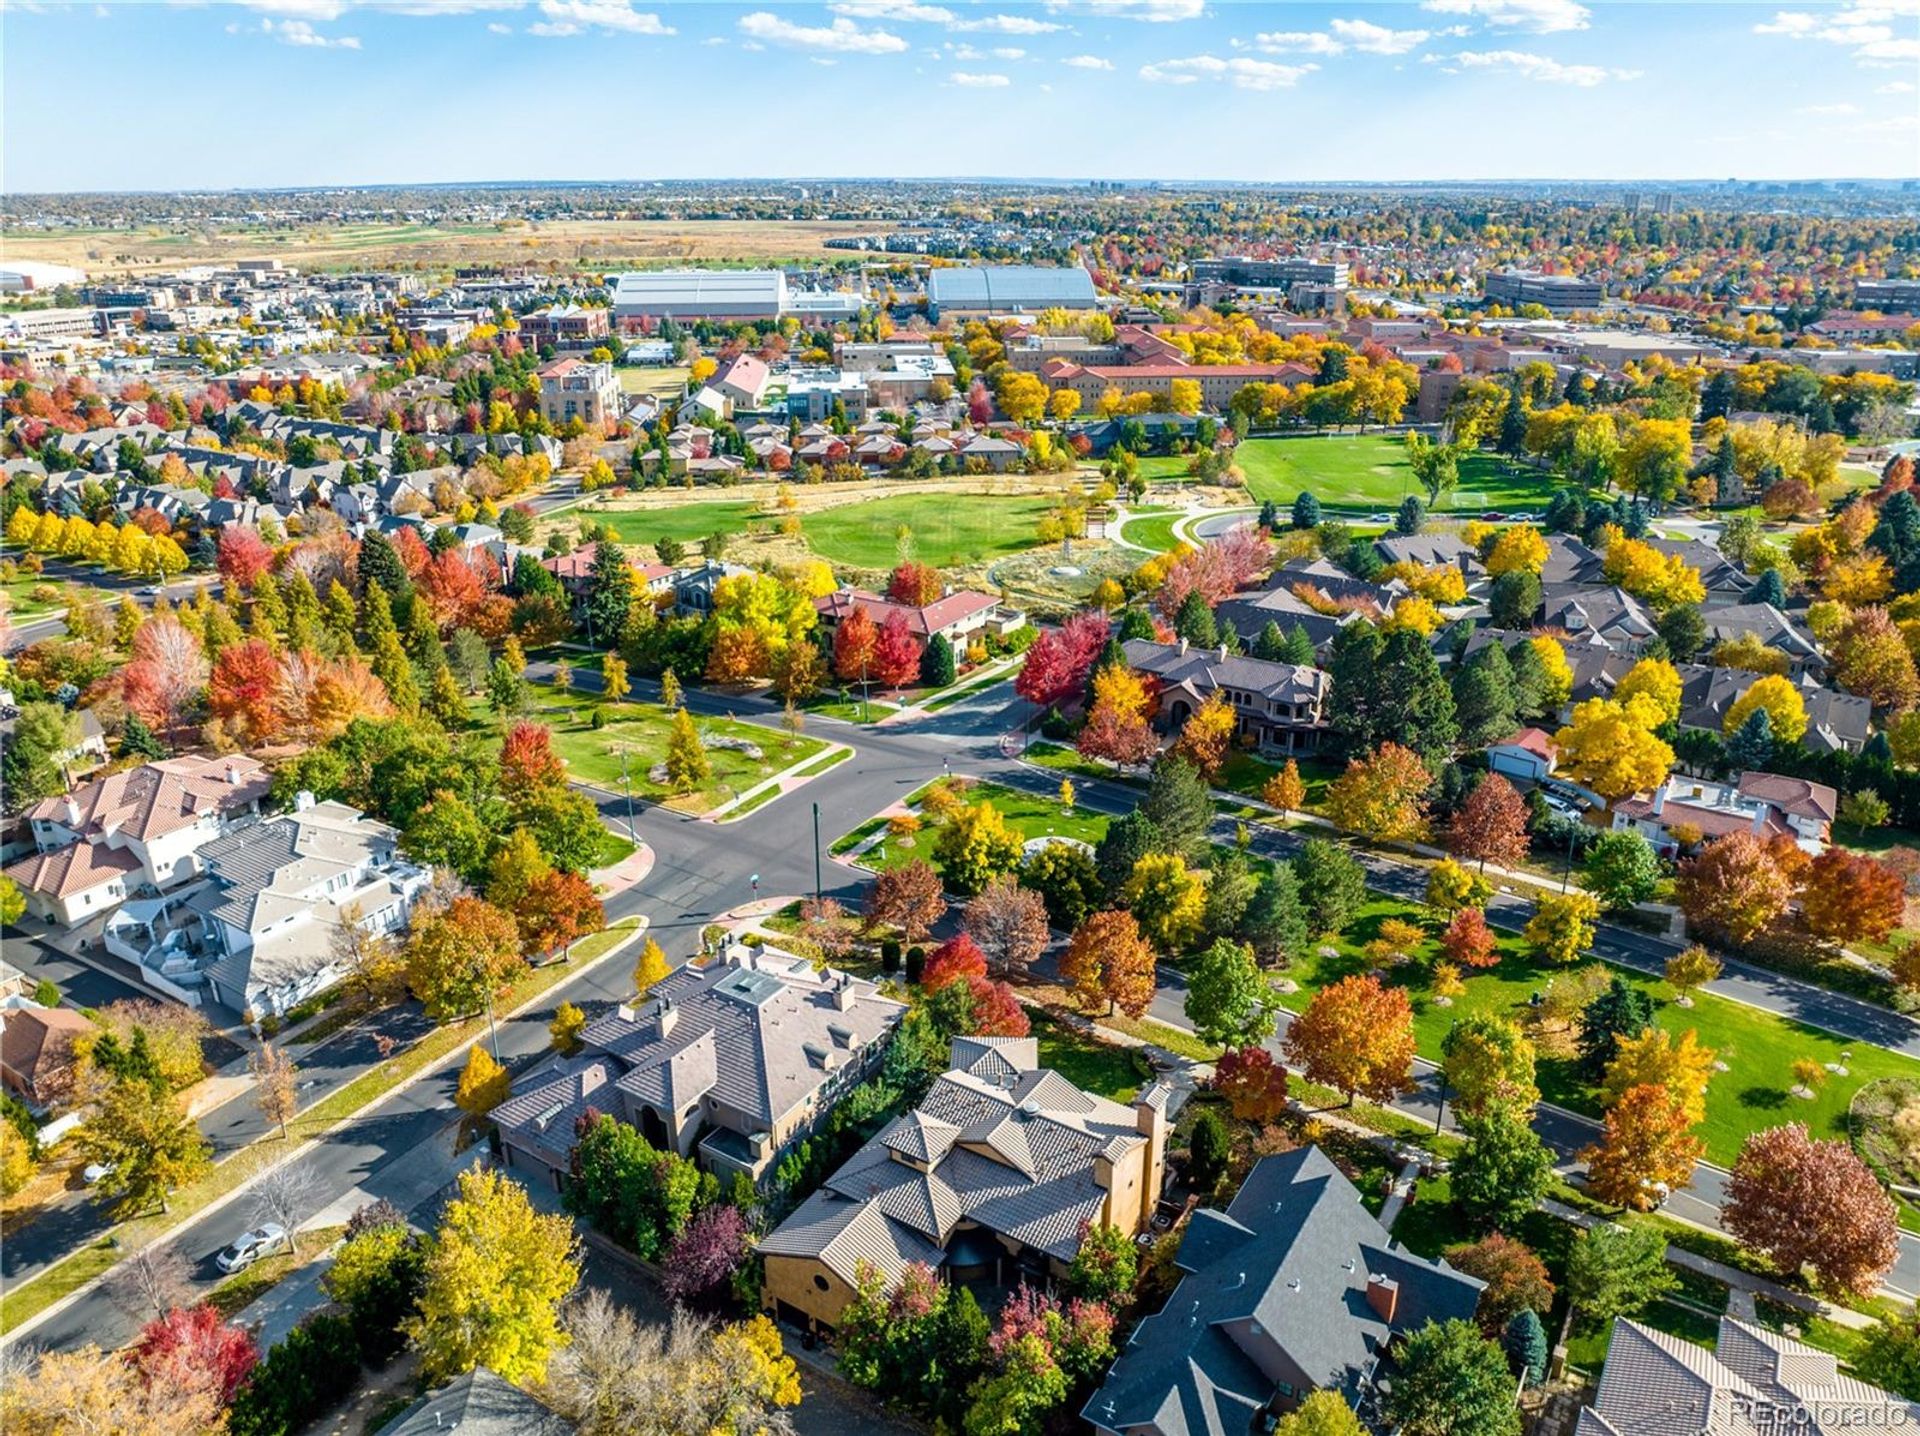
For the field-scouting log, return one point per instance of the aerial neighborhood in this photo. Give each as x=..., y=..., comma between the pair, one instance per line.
x=1002, y=808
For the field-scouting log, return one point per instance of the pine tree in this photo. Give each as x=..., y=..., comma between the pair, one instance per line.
x=937, y=666
x=1299, y=647
x=1751, y=745
x=1525, y=1341
x=1194, y=622
x=1483, y=697
x=1271, y=644
x=138, y=740
x=1306, y=511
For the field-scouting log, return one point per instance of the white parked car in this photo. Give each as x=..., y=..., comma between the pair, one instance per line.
x=249, y=1248
x=94, y=1171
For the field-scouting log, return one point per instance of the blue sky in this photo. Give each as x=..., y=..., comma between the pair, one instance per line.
x=234, y=93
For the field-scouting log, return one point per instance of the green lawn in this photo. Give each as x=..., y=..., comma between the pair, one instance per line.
x=1758, y=1047
x=946, y=528
x=1244, y=773
x=1370, y=471
x=689, y=523
x=1026, y=814
x=1093, y=1066
x=640, y=729
x=22, y=603
x=1152, y=530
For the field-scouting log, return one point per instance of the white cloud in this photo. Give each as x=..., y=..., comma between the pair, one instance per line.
x=902, y=10
x=498, y=29
x=1008, y=25
x=1843, y=108
x=299, y=32
x=1895, y=87
x=1298, y=42
x=1879, y=32
x=998, y=52
x=1535, y=67
x=1153, y=12
x=1374, y=39
x=968, y=81
x=842, y=36
x=1240, y=72
x=571, y=17
x=1087, y=62
x=323, y=10
x=1539, y=17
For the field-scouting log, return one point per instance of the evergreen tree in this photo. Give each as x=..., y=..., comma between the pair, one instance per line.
x=1728, y=486
x=1194, y=622
x=1513, y=424
x=1271, y=644
x=1621, y=1011
x=1419, y=712
x=1306, y=511
x=1751, y=744
x=1525, y=1342
x=1134, y=623
x=1483, y=697
x=1768, y=588
x=1269, y=515
x=379, y=563
x=1684, y=630
x=1513, y=599
x=1128, y=839
x=1180, y=807
x=937, y=668
x=610, y=592
x=138, y=740
x=1299, y=647
x=1412, y=515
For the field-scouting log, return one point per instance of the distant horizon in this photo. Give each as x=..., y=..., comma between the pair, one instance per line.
x=225, y=96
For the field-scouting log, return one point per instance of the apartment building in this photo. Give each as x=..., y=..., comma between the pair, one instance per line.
x=578, y=389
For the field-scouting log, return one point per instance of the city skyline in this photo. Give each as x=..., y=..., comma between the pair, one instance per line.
x=379, y=92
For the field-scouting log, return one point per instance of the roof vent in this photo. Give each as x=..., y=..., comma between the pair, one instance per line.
x=1030, y=1107
x=1293, y=1283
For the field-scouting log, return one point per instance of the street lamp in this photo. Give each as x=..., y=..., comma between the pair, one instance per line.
x=816, y=853
x=626, y=783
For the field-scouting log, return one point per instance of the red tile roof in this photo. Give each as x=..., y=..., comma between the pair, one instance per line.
x=923, y=623
x=158, y=798
x=73, y=869
x=33, y=1035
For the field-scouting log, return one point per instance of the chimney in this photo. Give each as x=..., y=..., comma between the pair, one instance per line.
x=1383, y=1295
x=668, y=1016
x=1760, y=821
x=233, y=775
x=73, y=813
x=1660, y=798
x=1183, y=648
x=843, y=996
x=1223, y=653
x=302, y=801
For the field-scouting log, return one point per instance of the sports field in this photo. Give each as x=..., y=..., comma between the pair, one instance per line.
x=1370, y=471
x=689, y=523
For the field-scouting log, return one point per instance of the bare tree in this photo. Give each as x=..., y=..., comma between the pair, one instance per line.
x=274, y=1086
x=1009, y=923
x=284, y=1195
x=154, y=1280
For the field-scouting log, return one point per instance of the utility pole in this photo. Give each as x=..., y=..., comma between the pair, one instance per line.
x=626, y=784
x=816, y=853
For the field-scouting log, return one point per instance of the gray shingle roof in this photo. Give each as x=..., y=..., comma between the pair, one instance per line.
x=478, y=1404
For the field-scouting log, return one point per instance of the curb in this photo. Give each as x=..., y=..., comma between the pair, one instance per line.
x=226, y=1199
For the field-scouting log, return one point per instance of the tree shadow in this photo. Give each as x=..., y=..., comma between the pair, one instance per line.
x=1769, y=1099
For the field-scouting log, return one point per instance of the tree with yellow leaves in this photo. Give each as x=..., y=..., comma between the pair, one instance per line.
x=1286, y=789
x=1680, y=1064
x=1413, y=614
x=1562, y=926
x=650, y=969
x=1521, y=549
x=1451, y=887
x=1382, y=797
x=497, y=1271
x=484, y=1083
x=1206, y=736
x=1656, y=679
x=1786, y=710
x=1663, y=580
x=1610, y=746
x=1556, y=674
x=1168, y=901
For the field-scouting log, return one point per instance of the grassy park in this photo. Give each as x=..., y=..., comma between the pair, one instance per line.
x=1370, y=471
x=1028, y=814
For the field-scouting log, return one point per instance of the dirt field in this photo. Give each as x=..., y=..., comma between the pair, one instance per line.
x=601, y=243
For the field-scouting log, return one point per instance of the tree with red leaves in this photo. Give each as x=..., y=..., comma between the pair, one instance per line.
x=450, y=586
x=1468, y=941
x=896, y=652
x=1060, y=659
x=1254, y=1085
x=191, y=1348
x=956, y=959
x=1216, y=570
x=915, y=584
x=1356, y=1037
x=979, y=403
x=996, y=1011
x=529, y=768
x=1849, y=897
x=244, y=693
x=706, y=1254
x=1491, y=825
x=414, y=556
x=557, y=908
x=168, y=670
x=909, y=897
x=1803, y=1203
x=242, y=555
x=1734, y=888
x=1110, y=962
x=854, y=642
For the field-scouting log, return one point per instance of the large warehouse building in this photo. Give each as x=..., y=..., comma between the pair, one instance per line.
x=690, y=294
x=1008, y=289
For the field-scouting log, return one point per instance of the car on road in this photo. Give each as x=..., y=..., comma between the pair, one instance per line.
x=250, y=1247
x=94, y=1172
x=1493, y=516
x=1379, y=518
x=152, y=590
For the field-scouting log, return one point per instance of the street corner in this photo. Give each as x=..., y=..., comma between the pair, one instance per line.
x=630, y=871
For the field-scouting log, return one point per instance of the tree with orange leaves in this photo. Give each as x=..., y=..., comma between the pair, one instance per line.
x=1382, y=797
x=1849, y=897
x=1108, y=961
x=528, y=765
x=1646, y=1149
x=1468, y=941
x=853, y=648
x=244, y=693
x=1206, y=735
x=1356, y=1037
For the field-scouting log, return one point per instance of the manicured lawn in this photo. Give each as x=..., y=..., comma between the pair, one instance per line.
x=1154, y=531
x=1026, y=814
x=1091, y=1065
x=689, y=523
x=20, y=590
x=946, y=528
x=1244, y=773
x=1370, y=471
x=641, y=730
x=1758, y=1047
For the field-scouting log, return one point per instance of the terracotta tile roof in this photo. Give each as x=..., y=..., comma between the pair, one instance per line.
x=159, y=798
x=923, y=623
x=1536, y=741
x=31, y=1035
x=73, y=869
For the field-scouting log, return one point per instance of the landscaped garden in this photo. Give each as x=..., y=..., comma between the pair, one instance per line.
x=1370, y=471
x=1758, y=1048
x=1029, y=815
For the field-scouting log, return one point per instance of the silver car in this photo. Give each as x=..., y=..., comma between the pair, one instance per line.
x=250, y=1247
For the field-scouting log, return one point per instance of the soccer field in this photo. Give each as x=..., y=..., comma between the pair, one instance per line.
x=946, y=528
x=1370, y=471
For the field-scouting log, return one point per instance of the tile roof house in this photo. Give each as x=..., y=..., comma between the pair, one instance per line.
x=1277, y=706
x=143, y=826
x=993, y=1178
x=730, y=1062
x=1294, y=1288
x=1612, y=615
x=1571, y=562
x=1772, y=627
x=1752, y=1382
x=261, y=931
x=538, y=1124
x=956, y=615
x=1766, y=804
x=1836, y=722
x=742, y=379
x=478, y=1404
x=36, y=1049
x=1724, y=580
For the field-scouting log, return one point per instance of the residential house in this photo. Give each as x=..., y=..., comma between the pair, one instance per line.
x=140, y=828
x=88, y=752
x=1751, y=1382
x=262, y=932
x=1248, y=612
x=1430, y=550
x=991, y=1180
x=567, y=326
x=1570, y=563
x=1772, y=627
x=478, y=1403
x=743, y=379
x=1836, y=722
x=1528, y=755
x=1612, y=615
x=957, y=616
x=579, y=389
x=1766, y=804
x=36, y=1050
x=1279, y=707
x=575, y=572
x=538, y=1124
x=727, y=1063
x=1294, y=1288
x=1724, y=580
x=693, y=587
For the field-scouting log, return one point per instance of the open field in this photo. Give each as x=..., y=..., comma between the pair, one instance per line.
x=1370, y=471
x=688, y=522
x=665, y=381
x=606, y=243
